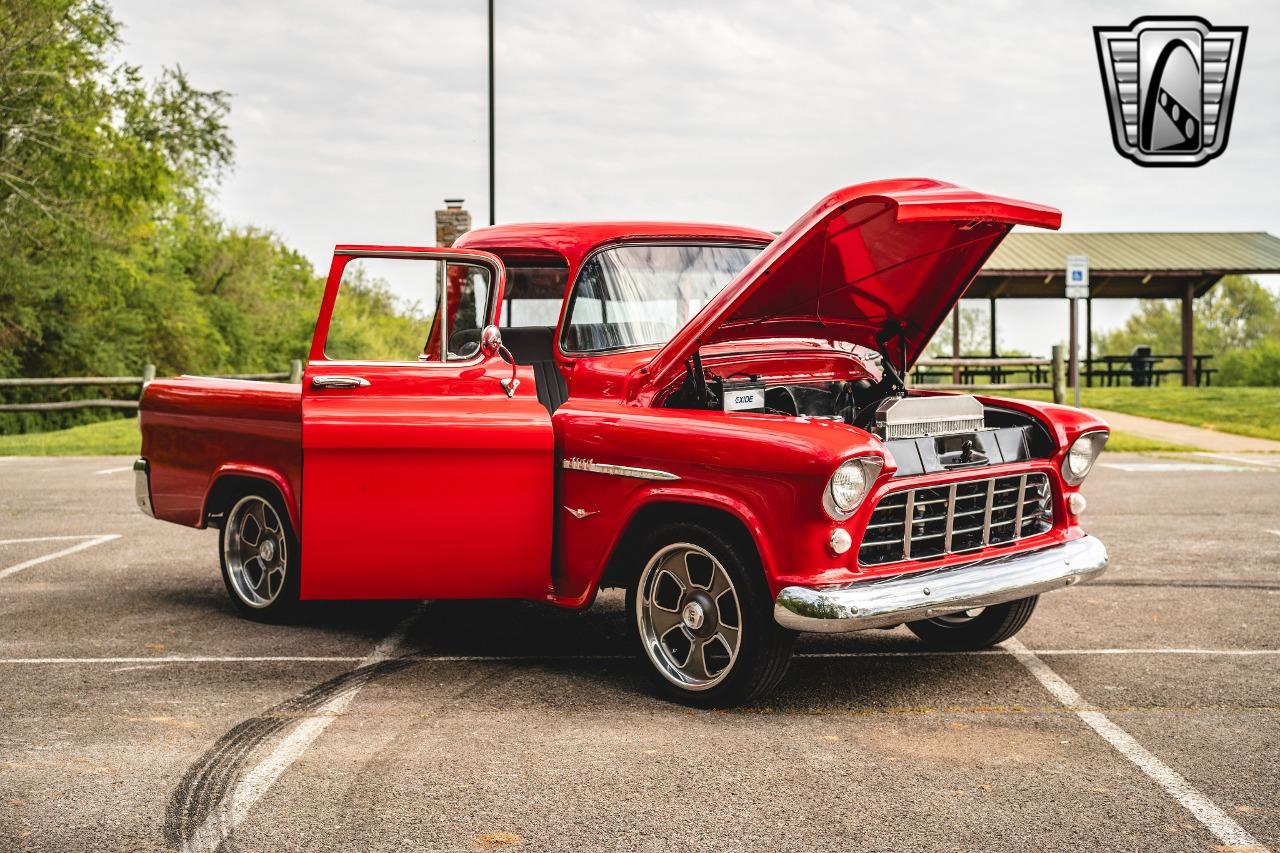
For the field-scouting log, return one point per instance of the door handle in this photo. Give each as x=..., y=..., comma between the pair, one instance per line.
x=339, y=382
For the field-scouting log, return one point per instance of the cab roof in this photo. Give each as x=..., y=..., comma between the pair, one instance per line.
x=573, y=241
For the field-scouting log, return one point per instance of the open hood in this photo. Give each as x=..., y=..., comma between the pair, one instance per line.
x=888, y=255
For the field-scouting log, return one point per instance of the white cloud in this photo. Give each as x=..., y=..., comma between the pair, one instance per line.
x=354, y=120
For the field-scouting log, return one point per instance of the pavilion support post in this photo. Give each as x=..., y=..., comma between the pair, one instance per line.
x=955, y=342
x=1088, y=341
x=995, y=348
x=1073, y=346
x=1188, y=335
x=1059, y=373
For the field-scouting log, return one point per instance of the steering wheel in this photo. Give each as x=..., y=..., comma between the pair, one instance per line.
x=464, y=343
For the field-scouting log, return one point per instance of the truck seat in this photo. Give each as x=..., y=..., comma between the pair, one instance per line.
x=532, y=345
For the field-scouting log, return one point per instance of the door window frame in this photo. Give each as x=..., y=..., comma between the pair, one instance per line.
x=343, y=255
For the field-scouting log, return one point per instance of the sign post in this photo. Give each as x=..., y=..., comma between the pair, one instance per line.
x=1077, y=289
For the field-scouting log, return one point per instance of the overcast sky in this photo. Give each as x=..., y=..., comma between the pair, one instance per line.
x=354, y=119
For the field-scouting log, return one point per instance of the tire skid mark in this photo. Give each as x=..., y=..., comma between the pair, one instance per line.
x=209, y=782
x=1265, y=587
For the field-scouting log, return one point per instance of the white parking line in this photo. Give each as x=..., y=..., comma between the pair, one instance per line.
x=47, y=539
x=163, y=659
x=1177, y=467
x=228, y=814
x=1245, y=459
x=1276, y=532
x=114, y=470
x=35, y=561
x=1201, y=807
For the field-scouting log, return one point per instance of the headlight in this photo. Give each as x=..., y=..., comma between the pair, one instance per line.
x=1080, y=458
x=849, y=485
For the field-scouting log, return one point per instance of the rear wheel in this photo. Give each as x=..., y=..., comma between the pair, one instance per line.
x=978, y=628
x=259, y=555
x=702, y=617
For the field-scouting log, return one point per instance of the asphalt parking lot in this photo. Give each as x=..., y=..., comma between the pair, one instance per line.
x=137, y=712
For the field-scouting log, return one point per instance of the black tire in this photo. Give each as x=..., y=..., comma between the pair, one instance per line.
x=763, y=648
x=282, y=605
x=984, y=629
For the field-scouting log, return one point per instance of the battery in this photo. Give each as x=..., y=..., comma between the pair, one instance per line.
x=745, y=395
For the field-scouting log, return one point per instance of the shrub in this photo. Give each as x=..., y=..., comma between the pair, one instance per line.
x=1257, y=365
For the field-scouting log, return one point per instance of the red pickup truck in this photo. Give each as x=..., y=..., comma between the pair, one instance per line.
x=714, y=418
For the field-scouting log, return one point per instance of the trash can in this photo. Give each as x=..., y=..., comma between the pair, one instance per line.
x=1140, y=365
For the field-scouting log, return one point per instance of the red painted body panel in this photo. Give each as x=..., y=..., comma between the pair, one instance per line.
x=195, y=430
x=901, y=251
x=768, y=470
x=400, y=475
x=430, y=482
x=573, y=241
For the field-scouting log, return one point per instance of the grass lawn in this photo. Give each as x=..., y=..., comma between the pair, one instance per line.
x=1243, y=411
x=1123, y=442
x=117, y=437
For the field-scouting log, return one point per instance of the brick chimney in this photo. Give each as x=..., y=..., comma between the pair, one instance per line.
x=452, y=222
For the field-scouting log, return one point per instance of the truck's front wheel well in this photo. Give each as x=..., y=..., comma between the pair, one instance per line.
x=625, y=563
x=229, y=488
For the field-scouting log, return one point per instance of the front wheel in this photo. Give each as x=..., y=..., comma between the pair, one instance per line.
x=979, y=628
x=702, y=617
x=259, y=555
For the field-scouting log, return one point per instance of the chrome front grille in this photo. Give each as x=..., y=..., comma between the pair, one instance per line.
x=932, y=521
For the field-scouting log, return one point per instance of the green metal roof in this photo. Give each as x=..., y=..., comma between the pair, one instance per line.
x=1124, y=265
x=1226, y=253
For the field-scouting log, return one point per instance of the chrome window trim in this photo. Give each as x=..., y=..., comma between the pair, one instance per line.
x=428, y=254
x=650, y=242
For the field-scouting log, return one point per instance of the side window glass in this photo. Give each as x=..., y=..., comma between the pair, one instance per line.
x=408, y=309
x=468, y=301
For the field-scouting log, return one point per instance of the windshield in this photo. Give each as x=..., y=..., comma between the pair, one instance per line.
x=639, y=296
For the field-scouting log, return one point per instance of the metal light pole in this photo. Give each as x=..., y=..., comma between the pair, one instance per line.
x=491, y=169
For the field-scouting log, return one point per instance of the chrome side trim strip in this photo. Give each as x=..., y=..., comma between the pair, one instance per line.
x=577, y=464
x=925, y=595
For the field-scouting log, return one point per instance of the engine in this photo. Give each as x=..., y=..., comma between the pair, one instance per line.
x=925, y=434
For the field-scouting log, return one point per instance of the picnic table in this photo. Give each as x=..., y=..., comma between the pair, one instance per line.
x=1142, y=369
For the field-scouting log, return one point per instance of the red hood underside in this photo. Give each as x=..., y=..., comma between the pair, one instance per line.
x=894, y=254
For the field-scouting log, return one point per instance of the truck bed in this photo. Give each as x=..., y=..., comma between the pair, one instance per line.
x=196, y=429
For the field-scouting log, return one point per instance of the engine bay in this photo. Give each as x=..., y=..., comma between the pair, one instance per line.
x=924, y=433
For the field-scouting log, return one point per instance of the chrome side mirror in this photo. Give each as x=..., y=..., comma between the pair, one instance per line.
x=490, y=341
x=490, y=345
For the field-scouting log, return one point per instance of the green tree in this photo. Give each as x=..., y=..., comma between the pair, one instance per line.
x=1237, y=314
x=109, y=255
x=975, y=335
x=92, y=160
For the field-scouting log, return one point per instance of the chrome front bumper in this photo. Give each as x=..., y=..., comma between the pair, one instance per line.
x=924, y=595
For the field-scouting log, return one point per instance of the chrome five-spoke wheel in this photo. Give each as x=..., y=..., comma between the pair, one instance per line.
x=255, y=551
x=689, y=616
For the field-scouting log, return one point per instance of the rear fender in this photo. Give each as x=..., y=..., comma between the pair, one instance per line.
x=255, y=472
